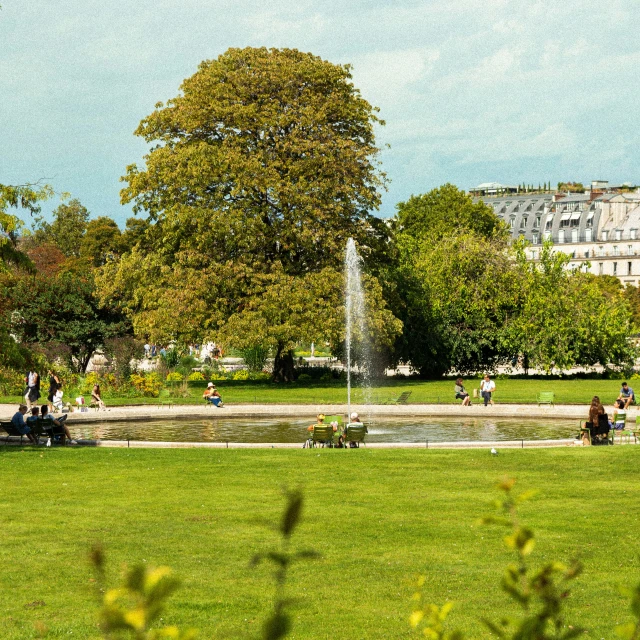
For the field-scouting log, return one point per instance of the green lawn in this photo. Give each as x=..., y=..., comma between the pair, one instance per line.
x=378, y=517
x=430, y=391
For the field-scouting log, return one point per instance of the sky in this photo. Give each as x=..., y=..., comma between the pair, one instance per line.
x=471, y=90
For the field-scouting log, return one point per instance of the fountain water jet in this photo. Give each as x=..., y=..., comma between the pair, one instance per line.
x=356, y=324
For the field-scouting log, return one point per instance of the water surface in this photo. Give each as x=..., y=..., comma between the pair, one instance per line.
x=419, y=429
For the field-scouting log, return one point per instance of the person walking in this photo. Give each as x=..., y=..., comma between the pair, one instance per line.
x=487, y=388
x=32, y=391
x=54, y=385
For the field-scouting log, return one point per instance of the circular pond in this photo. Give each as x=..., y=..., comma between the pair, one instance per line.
x=418, y=429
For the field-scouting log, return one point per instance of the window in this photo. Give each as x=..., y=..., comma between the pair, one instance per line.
x=600, y=268
x=534, y=239
x=605, y=235
x=561, y=235
x=523, y=222
x=633, y=234
x=512, y=221
x=615, y=268
x=574, y=235
x=536, y=224
x=588, y=235
x=629, y=269
x=630, y=250
x=616, y=252
x=548, y=224
x=590, y=220
x=600, y=250
x=618, y=234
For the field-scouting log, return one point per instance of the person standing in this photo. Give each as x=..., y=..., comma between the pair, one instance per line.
x=487, y=387
x=32, y=391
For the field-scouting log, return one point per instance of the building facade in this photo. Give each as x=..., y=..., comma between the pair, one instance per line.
x=599, y=229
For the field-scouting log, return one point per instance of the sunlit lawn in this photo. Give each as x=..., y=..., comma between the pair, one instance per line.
x=378, y=517
x=431, y=391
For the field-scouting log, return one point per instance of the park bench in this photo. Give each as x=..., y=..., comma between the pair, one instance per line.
x=11, y=430
x=46, y=427
x=546, y=397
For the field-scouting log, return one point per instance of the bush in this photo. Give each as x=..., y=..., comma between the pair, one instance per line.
x=195, y=376
x=148, y=385
x=174, y=376
x=240, y=374
x=326, y=377
x=259, y=375
x=255, y=357
x=304, y=377
x=11, y=382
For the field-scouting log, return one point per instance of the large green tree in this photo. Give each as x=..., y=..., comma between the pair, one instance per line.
x=102, y=241
x=260, y=171
x=453, y=279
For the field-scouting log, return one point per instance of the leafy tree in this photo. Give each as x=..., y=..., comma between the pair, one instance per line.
x=565, y=317
x=67, y=229
x=452, y=282
x=102, y=240
x=261, y=170
x=134, y=232
x=27, y=197
x=63, y=309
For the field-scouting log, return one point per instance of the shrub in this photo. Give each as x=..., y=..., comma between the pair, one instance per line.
x=255, y=357
x=121, y=351
x=11, y=382
x=304, y=377
x=259, y=375
x=148, y=385
x=326, y=377
x=174, y=376
x=240, y=374
x=195, y=376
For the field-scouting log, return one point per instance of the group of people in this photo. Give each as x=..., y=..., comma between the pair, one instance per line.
x=487, y=389
x=27, y=427
x=599, y=423
x=354, y=420
x=32, y=390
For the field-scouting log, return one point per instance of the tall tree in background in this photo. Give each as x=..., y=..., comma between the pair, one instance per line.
x=454, y=278
x=102, y=241
x=69, y=224
x=261, y=170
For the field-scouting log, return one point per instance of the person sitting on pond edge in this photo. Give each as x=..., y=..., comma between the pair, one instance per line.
x=461, y=394
x=627, y=395
x=212, y=395
x=487, y=387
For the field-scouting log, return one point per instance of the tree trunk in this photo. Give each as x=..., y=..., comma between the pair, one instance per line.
x=283, y=370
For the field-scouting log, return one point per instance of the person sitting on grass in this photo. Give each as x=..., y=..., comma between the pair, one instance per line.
x=59, y=422
x=461, y=394
x=212, y=395
x=619, y=415
x=627, y=395
x=18, y=422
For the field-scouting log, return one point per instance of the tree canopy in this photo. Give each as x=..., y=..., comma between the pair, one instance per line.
x=260, y=171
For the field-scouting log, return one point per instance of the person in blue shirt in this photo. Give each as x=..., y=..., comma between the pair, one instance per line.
x=18, y=422
x=627, y=395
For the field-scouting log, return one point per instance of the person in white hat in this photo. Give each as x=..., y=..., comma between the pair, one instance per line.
x=212, y=395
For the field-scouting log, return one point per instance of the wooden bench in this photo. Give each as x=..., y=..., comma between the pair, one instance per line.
x=546, y=397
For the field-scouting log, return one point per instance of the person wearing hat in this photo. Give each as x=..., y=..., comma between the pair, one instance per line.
x=212, y=395
x=319, y=420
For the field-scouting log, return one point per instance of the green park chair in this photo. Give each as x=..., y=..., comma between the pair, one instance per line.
x=46, y=427
x=355, y=432
x=584, y=430
x=546, y=397
x=401, y=399
x=322, y=434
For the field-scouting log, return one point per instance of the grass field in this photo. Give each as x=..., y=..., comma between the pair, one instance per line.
x=378, y=517
x=422, y=392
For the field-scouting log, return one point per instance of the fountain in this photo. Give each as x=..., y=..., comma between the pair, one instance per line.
x=356, y=325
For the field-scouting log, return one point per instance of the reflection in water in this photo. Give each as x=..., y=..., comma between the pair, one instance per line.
x=293, y=430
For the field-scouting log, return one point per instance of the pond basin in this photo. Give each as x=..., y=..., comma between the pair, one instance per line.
x=279, y=430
